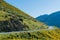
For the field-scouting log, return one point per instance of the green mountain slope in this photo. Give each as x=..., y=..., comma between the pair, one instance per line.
x=53, y=34
x=25, y=26
x=13, y=19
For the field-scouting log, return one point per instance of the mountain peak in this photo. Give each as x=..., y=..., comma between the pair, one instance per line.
x=57, y=12
x=52, y=20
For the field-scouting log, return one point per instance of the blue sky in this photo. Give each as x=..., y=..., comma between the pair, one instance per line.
x=36, y=8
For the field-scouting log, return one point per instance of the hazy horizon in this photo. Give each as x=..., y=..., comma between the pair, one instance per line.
x=36, y=7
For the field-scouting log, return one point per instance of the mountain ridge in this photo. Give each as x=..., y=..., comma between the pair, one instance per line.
x=13, y=19
x=51, y=20
x=16, y=25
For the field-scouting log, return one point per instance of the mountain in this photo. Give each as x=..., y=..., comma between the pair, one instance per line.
x=51, y=20
x=17, y=25
x=42, y=17
x=13, y=19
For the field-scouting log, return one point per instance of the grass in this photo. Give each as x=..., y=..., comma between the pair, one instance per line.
x=17, y=15
x=53, y=34
x=8, y=11
x=4, y=16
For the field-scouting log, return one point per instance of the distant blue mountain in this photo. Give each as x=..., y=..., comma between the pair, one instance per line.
x=42, y=17
x=51, y=20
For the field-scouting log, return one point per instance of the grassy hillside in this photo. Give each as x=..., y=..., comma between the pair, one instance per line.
x=13, y=19
x=53, y=34
x=25, y=27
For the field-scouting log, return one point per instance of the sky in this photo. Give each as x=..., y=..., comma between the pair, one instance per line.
x=36, y=8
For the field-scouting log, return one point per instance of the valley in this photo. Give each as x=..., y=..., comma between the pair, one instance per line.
x=17, y=25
